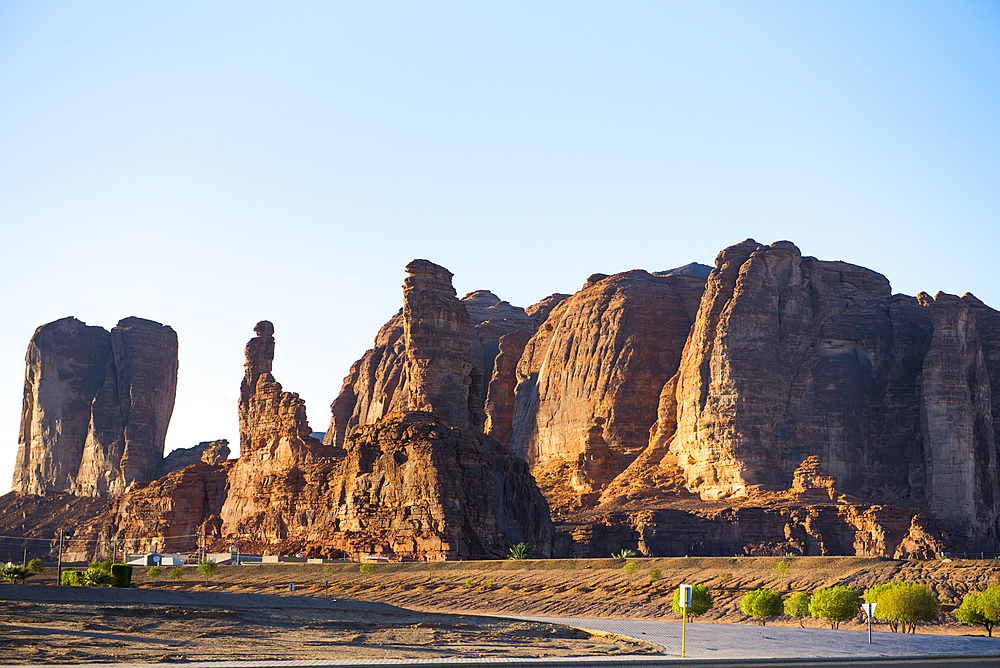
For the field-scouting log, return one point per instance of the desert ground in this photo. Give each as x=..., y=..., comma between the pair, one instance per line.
x=420, y=609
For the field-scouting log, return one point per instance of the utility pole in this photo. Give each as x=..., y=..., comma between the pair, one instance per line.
x=59, y=568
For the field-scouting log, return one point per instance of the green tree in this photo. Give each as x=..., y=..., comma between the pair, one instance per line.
x=701, y=601
x=368, y=568
x=797, y=606
x=783, y=568
x=522, y=551
x=175, y=573
x=207, y=568
x=102, y=565
x=903, y=604
x=630, y=569
x=655, y=575
x=761, y=604
x=982, y=609
x=35, y=566
x=835, y=604
x=154, y=572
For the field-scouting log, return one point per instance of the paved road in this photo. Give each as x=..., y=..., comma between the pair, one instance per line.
x=742, y=641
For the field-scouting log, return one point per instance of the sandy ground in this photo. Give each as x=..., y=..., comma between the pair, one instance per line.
x=46, y=625
x=413, y=610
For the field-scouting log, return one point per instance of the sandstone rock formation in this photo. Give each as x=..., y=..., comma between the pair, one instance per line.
x=207, y=452
x=589, y=380
x=96, y=406
x=791, y=356
x=378, y=383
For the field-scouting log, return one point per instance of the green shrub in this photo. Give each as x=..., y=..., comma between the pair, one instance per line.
x=468, y=583
x=175, y=573
x=835, y=604
x=522, y=551
x=154, y=572
x=761, y=604
x=102, y=565
x=797, y=606
x=783, y=568
x=14, y=572
x=625, y=554
x=73, y=578
x=490, y=584
x=368, y=568
x=655, y=575
x=903, y=604
x=97, y=577
x=701, y=601
x=630, y=569
x=981, y=609
x=35, y=566
x=723, y=578
x=122, y=575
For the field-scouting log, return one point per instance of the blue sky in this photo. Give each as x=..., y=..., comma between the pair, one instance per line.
x=208, y=165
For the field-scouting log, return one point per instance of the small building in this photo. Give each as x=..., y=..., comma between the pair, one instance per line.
x=156, y=559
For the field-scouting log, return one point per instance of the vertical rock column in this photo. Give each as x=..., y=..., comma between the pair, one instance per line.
x=438, y=359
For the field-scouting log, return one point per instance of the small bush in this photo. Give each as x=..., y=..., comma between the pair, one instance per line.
x=368, y=568
x=35, y=566
x=97, y=577
x=175, y=573
x=701, y=601
x=761, y=604
x=625, y=554
x=468, y=583
x=490, y=584
x=522, y=551
x=783, y=568
x=630, y=569
x=73, y=578
x=102, y=565
x=797, y=606
x=835, y=604
x=655, y=575
x=14, y=572
x=154, y=572
x=723, y=578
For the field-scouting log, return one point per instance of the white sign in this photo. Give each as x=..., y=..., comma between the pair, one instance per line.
x=869, y=609
x=686, y=596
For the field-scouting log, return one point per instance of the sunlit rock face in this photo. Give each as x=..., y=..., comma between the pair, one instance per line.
x=96, y=407
x=589, y=380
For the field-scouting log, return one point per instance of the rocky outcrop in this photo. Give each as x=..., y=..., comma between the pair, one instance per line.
x=814, y=530
x=499, y=407
x=96, y=407
x=207, y=452
x=413, y=486
x=791, y=356
x=589, y=380
x=440, y=372
x=378, y=383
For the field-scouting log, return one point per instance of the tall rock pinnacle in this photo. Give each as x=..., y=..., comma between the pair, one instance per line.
x=439, y=364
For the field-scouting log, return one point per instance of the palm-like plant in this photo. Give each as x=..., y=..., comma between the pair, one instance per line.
x=625, y=554
x=522, y=551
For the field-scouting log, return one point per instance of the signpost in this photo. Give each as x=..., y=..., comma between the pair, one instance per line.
x=869, y=609
x=685, y=604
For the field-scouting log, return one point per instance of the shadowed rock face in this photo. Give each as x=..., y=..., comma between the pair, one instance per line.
x=96, y=407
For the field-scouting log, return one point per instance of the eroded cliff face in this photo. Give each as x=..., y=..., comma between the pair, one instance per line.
x=792, y=357
x=96, y=407
x=379, y=383
x=409, y=485
x=589, y=380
